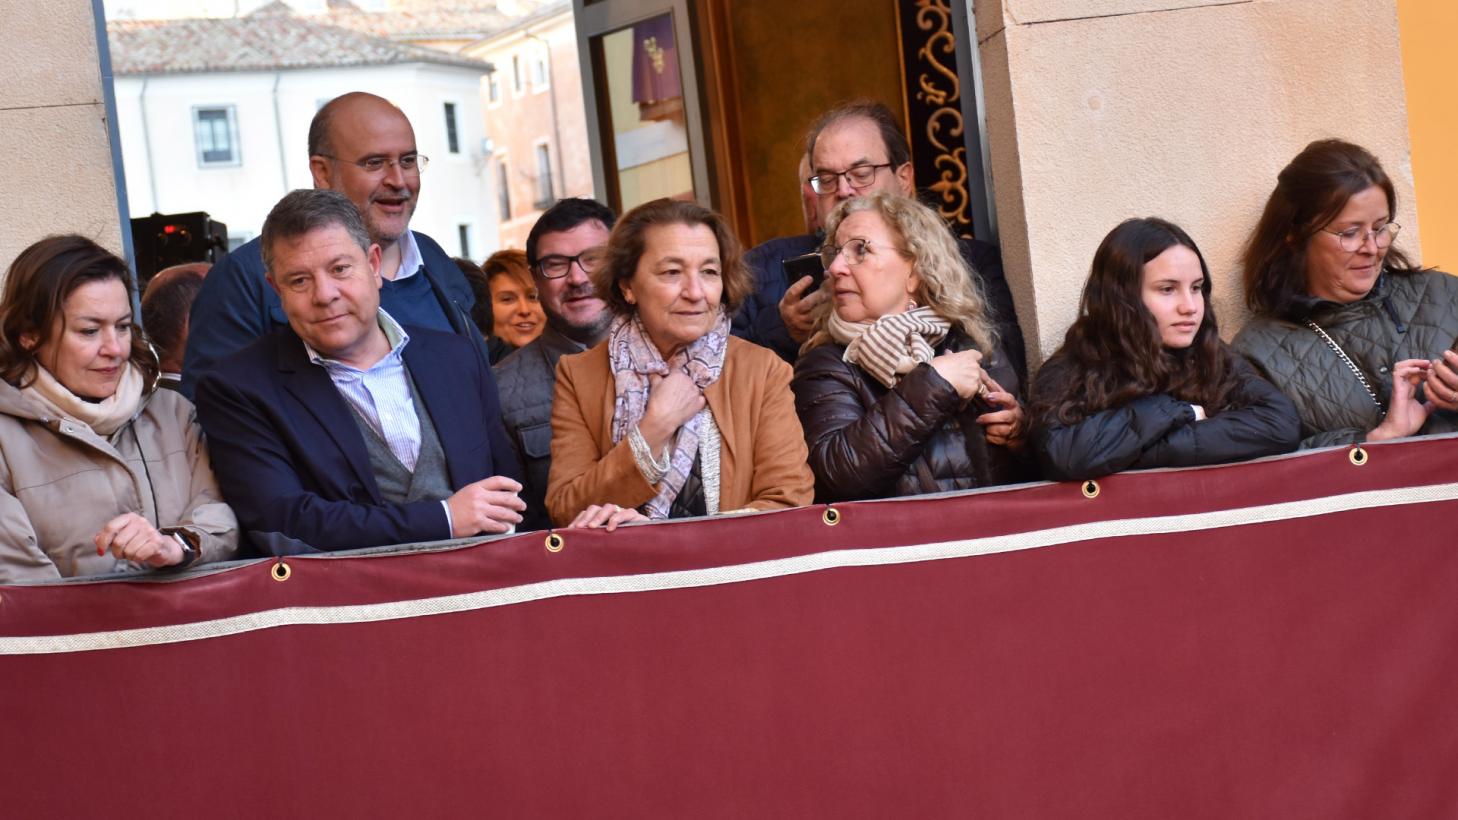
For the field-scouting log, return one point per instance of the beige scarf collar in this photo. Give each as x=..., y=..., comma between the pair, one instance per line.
x=103, y=417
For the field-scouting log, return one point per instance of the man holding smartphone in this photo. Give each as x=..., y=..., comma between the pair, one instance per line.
x=855, y=149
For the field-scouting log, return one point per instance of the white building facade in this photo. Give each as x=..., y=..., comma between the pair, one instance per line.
x=535, y=118
x=231, y=143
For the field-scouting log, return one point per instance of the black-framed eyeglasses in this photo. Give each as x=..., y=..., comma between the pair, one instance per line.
x=859, y=177
x=855, y=250
x=1352, y=239
x=409, y=163
x=557, y=266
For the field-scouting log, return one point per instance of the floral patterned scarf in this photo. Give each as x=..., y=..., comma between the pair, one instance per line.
x=633, y=358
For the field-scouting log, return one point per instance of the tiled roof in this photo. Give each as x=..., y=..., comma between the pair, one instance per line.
x=267, y=40
x=445, y=19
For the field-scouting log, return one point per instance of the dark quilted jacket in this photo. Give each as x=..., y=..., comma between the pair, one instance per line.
x=527, y=380
x=1406, y=316
x=1160, y=430
x=867, y=441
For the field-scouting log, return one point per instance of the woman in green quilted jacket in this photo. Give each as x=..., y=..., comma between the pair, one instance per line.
x=1355, y=333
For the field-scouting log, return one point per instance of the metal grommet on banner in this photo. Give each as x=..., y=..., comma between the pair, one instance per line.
x=831, y=516
x=1090, y=489
x=555, y=542
x=280, y=572
x=1357, y=455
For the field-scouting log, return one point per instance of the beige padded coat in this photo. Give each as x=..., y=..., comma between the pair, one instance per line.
x=60, y=483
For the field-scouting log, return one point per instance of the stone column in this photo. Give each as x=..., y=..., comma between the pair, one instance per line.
x=53, y=127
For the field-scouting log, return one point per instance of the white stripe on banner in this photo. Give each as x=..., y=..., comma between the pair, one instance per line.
x=739, y=573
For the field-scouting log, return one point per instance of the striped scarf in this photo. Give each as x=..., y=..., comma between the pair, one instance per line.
x=891, y=346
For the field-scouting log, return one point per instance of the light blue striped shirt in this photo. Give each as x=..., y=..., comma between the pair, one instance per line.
x=381, y=395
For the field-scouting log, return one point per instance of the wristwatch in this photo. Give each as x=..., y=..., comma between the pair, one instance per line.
x=188, y=542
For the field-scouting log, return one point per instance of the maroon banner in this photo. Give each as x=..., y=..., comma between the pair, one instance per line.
x=1267, y=639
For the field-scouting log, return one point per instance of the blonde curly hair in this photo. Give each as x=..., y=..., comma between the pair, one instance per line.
x=948, y=285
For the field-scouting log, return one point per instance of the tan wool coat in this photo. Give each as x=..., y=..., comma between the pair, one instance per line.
x=60, y=483
x=763, y=464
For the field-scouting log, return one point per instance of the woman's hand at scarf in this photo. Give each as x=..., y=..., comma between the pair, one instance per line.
x=131, y=537
x=605, y=516
x=672, y=400
x=962, y=370
x=1007, y=427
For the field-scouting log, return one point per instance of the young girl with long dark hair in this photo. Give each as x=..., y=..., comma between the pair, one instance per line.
x=1143, y=379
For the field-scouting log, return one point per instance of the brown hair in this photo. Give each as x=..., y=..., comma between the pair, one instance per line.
x=36, y=287
x=626, y=245
x=1112, y=354
x=510, y=262
x=1309, y=194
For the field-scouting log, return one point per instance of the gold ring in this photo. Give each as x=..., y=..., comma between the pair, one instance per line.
x=281, y=572
x=831, y=517
x=1090, y=489
x=555, y=542
x=1357, y=455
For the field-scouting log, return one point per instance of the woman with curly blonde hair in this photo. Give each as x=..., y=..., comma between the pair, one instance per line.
x=904, y=388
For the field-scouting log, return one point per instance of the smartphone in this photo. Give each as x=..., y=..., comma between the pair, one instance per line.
x=810, y=264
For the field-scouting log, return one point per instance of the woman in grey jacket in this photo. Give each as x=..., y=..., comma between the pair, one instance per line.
x=1142, y=379
x=99, y=471
x=1345, y=324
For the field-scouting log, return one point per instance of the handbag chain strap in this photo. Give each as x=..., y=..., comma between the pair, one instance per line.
x=1356, y=371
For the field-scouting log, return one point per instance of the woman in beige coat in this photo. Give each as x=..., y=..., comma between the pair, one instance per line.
x=99, y=471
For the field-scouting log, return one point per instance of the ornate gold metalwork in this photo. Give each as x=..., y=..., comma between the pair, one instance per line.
x=938, y=85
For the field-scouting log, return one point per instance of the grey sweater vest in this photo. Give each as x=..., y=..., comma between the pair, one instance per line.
x=429, y=482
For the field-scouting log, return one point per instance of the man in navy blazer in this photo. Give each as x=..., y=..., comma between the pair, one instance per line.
x=346, y=429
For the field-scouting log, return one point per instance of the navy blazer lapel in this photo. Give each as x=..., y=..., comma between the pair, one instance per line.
x=446, y=390
x=310, y=384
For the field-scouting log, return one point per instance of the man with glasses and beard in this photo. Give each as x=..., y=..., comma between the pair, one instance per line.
x=362, y=146
x=855, y=149
x=568, y=242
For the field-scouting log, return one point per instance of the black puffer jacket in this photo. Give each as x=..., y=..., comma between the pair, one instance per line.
x=867, y=441
x=1405, y=316
x=1160, y=430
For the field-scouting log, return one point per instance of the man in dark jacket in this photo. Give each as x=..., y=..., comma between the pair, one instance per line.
x=562, y=248
x=856, y=149
x=346, y=428
x=362, y=146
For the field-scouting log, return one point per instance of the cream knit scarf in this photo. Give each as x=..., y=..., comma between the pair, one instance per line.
x=104, y=417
